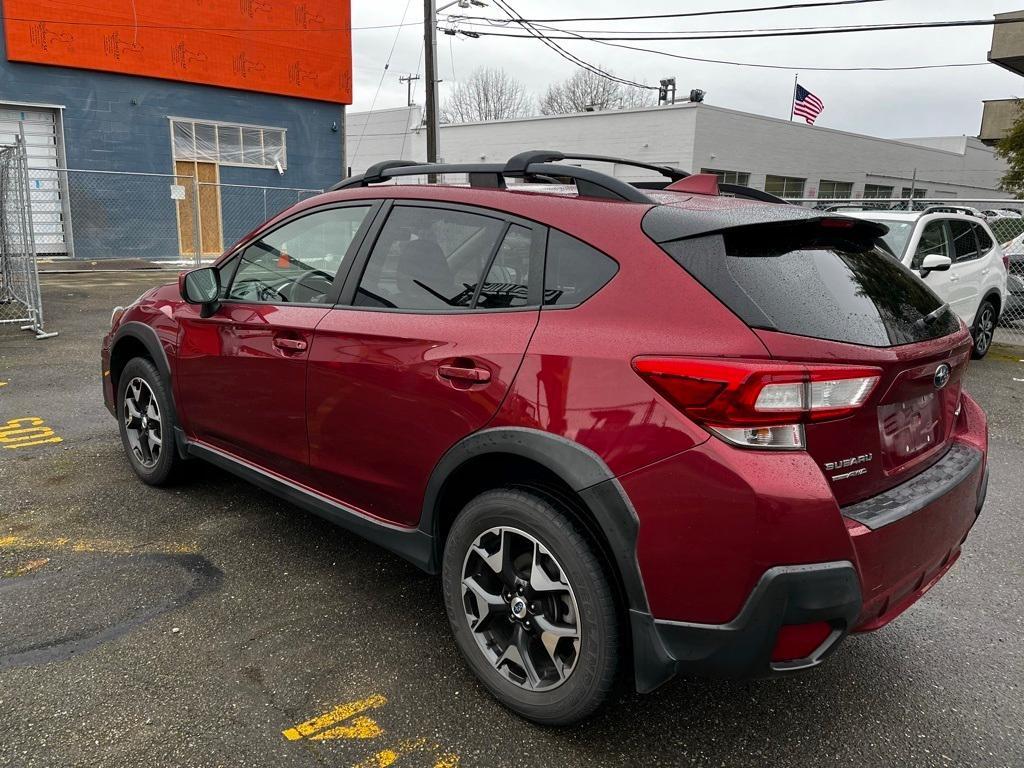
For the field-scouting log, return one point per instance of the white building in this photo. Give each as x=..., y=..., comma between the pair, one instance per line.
x=790, y=159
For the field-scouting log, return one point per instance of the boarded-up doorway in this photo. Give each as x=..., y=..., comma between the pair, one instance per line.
x=210, y=230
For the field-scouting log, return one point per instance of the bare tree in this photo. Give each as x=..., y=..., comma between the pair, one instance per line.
x=488, y=94
x=586, y=91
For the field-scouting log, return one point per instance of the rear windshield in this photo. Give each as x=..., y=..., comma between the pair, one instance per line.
x=809, y=282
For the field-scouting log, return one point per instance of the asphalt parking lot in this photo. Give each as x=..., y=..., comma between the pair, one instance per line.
x=213, y=625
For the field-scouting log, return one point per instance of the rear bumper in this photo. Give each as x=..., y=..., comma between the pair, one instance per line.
x=900, y=544
x=798, y=594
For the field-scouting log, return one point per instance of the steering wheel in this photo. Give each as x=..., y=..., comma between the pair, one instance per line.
x=309, y=274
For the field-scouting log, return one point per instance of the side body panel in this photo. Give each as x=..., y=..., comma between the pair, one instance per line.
x=380, y=413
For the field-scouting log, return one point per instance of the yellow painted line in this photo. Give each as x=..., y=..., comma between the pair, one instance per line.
x=361, y=728
x=388, y=757
x=27, y=431
x=21, y=543
x=26, y=568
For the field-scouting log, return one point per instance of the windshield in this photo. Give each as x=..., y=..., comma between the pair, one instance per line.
x=895, y=241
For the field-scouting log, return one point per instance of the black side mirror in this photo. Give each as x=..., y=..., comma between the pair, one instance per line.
x=201, y=286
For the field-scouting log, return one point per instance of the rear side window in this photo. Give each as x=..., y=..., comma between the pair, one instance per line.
x=965, y=244
x=984, y=241
x=799, y=280
x=574, y=271
x=507, y=280
x=429, y=259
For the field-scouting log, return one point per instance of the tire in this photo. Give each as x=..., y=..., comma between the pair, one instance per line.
x=145, y=416
x=573, y=677
x=984, y=329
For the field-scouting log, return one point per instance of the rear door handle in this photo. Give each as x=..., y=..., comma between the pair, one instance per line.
x=476, y=375
x=291, y=345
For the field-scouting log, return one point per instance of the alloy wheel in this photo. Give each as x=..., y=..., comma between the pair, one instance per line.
x=521, y=609
x=142, y=422
x=986, y=329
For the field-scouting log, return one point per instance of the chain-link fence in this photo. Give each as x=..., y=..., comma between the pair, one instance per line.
x=20, y=299
x=1005, y=217
x=94, y=215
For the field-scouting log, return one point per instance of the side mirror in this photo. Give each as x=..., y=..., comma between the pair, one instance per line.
x=201, y=286
x=935, y=262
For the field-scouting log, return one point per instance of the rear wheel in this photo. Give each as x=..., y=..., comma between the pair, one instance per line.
x=984, y=328
x=146, y=421
x=530, y=607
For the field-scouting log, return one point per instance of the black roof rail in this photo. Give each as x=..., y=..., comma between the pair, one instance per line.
x=544, y=165
x=589, y=183
x=517, y=164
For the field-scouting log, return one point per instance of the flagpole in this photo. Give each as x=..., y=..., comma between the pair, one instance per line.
x=792, y=101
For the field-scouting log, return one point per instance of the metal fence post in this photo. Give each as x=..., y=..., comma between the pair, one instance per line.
x=197, y=226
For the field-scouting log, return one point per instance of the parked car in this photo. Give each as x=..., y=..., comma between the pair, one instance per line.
x=635, y=430
x=1014, y=253
x=957, y=255
x=1001, y=213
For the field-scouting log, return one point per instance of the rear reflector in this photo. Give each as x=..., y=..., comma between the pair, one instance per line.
x=758, y=403
x=798, y=641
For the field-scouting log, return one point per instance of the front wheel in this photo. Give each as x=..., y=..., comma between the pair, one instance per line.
x=146, y=420
x=984, y=329
x=530, y=607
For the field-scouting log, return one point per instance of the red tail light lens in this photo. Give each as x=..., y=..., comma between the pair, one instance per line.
x=1006, y=263
x=758, y=403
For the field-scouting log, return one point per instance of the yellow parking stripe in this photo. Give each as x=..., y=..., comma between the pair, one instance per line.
x=16, y=543
x=361, y=728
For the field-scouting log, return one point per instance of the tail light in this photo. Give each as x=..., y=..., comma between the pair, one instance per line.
x=758, y=403
x=1006, y=263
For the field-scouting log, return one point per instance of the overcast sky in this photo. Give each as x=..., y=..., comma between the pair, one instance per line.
x=890, y=104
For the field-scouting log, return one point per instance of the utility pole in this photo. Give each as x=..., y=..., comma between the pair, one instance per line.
x=430, y=61
x=408, y=80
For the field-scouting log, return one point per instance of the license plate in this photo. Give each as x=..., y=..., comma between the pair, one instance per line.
x=909, y=428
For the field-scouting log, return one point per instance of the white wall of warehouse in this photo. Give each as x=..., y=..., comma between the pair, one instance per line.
x=698, y=136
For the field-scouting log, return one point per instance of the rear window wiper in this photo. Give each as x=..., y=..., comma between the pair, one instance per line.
x=931, y=317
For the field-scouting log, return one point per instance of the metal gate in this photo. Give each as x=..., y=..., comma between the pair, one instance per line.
x=20, y=299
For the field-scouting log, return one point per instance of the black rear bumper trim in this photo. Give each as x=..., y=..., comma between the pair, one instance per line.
x=742, y=648
x=960, y=462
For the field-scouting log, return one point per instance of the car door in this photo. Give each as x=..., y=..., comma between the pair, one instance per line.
x=241, y=372
x=433, y=325
x=935, y=238
x=968, y=270
x=993, y=272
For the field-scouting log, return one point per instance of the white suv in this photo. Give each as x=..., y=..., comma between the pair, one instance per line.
x=957, y=256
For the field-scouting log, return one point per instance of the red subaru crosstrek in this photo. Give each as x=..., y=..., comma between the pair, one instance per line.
x=677, y=426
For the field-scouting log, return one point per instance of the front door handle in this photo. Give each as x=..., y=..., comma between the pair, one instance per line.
x=290, y=345
x=475, y=375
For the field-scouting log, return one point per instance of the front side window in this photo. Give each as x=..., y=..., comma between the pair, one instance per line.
x=296, y=263
x=574, y=271
x=965, y=244
x=934, y=240
x=429, y=259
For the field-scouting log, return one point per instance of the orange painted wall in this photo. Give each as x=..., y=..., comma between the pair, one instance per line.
x=290, y=47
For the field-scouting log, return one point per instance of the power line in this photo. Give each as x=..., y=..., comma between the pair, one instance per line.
x=781, y=66
x=383, y=74
x=546, y=40
x=758, y=9
x=763, y=34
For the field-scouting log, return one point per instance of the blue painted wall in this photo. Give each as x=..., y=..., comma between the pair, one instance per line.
x=103, y=130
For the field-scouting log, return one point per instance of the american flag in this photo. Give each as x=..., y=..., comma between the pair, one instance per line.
x=807, y=105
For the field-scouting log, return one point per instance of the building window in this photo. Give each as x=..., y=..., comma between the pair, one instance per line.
x=742, y=178
x=835, y=190
x=877, y=190
x=252, y=146
x=784, y=186
x=918, y=192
